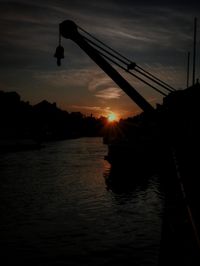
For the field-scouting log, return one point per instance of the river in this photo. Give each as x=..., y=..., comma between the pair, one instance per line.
x=59, y=208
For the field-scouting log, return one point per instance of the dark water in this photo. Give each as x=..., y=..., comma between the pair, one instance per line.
x=58, y=209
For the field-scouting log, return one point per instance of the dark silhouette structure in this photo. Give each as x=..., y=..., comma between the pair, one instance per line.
x=167, y=135
x=69, y=30
x=24, y=126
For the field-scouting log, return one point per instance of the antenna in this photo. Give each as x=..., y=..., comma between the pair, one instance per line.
x=194, y=50
x=188, y=69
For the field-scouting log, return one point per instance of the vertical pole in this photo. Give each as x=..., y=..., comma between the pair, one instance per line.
x=188, y=69
x=194, y=51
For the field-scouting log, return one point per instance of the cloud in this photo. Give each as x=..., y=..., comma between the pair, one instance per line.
x=103, y=87
x=155, y=33
x=98, y=81
x=109, y=93
x=96, y=110
x=91, y=108
x=133, y=35
x=62, y=77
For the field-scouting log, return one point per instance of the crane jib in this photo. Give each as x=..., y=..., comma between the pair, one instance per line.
x=68, y=29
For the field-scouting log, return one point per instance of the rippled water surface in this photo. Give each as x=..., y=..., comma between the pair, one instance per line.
x=58, y=207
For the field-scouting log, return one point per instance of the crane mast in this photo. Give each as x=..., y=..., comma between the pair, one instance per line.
x=69, y=30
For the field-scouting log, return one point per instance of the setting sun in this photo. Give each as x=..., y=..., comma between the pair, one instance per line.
x=112, y=117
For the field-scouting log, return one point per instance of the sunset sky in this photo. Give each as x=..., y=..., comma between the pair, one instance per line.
x=156, y=36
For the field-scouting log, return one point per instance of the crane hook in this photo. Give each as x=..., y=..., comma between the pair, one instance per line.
x=59, y=54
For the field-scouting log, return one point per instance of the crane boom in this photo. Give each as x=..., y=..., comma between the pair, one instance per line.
x=68, y=29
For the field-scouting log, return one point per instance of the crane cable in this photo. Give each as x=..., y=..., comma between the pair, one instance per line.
x=169, y=86
x=134, y=75
x=111, y=60
x=152, y=78
x=128, y=61
x=127, y=70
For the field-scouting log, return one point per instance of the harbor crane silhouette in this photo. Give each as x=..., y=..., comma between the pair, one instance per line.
x=101, y=54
